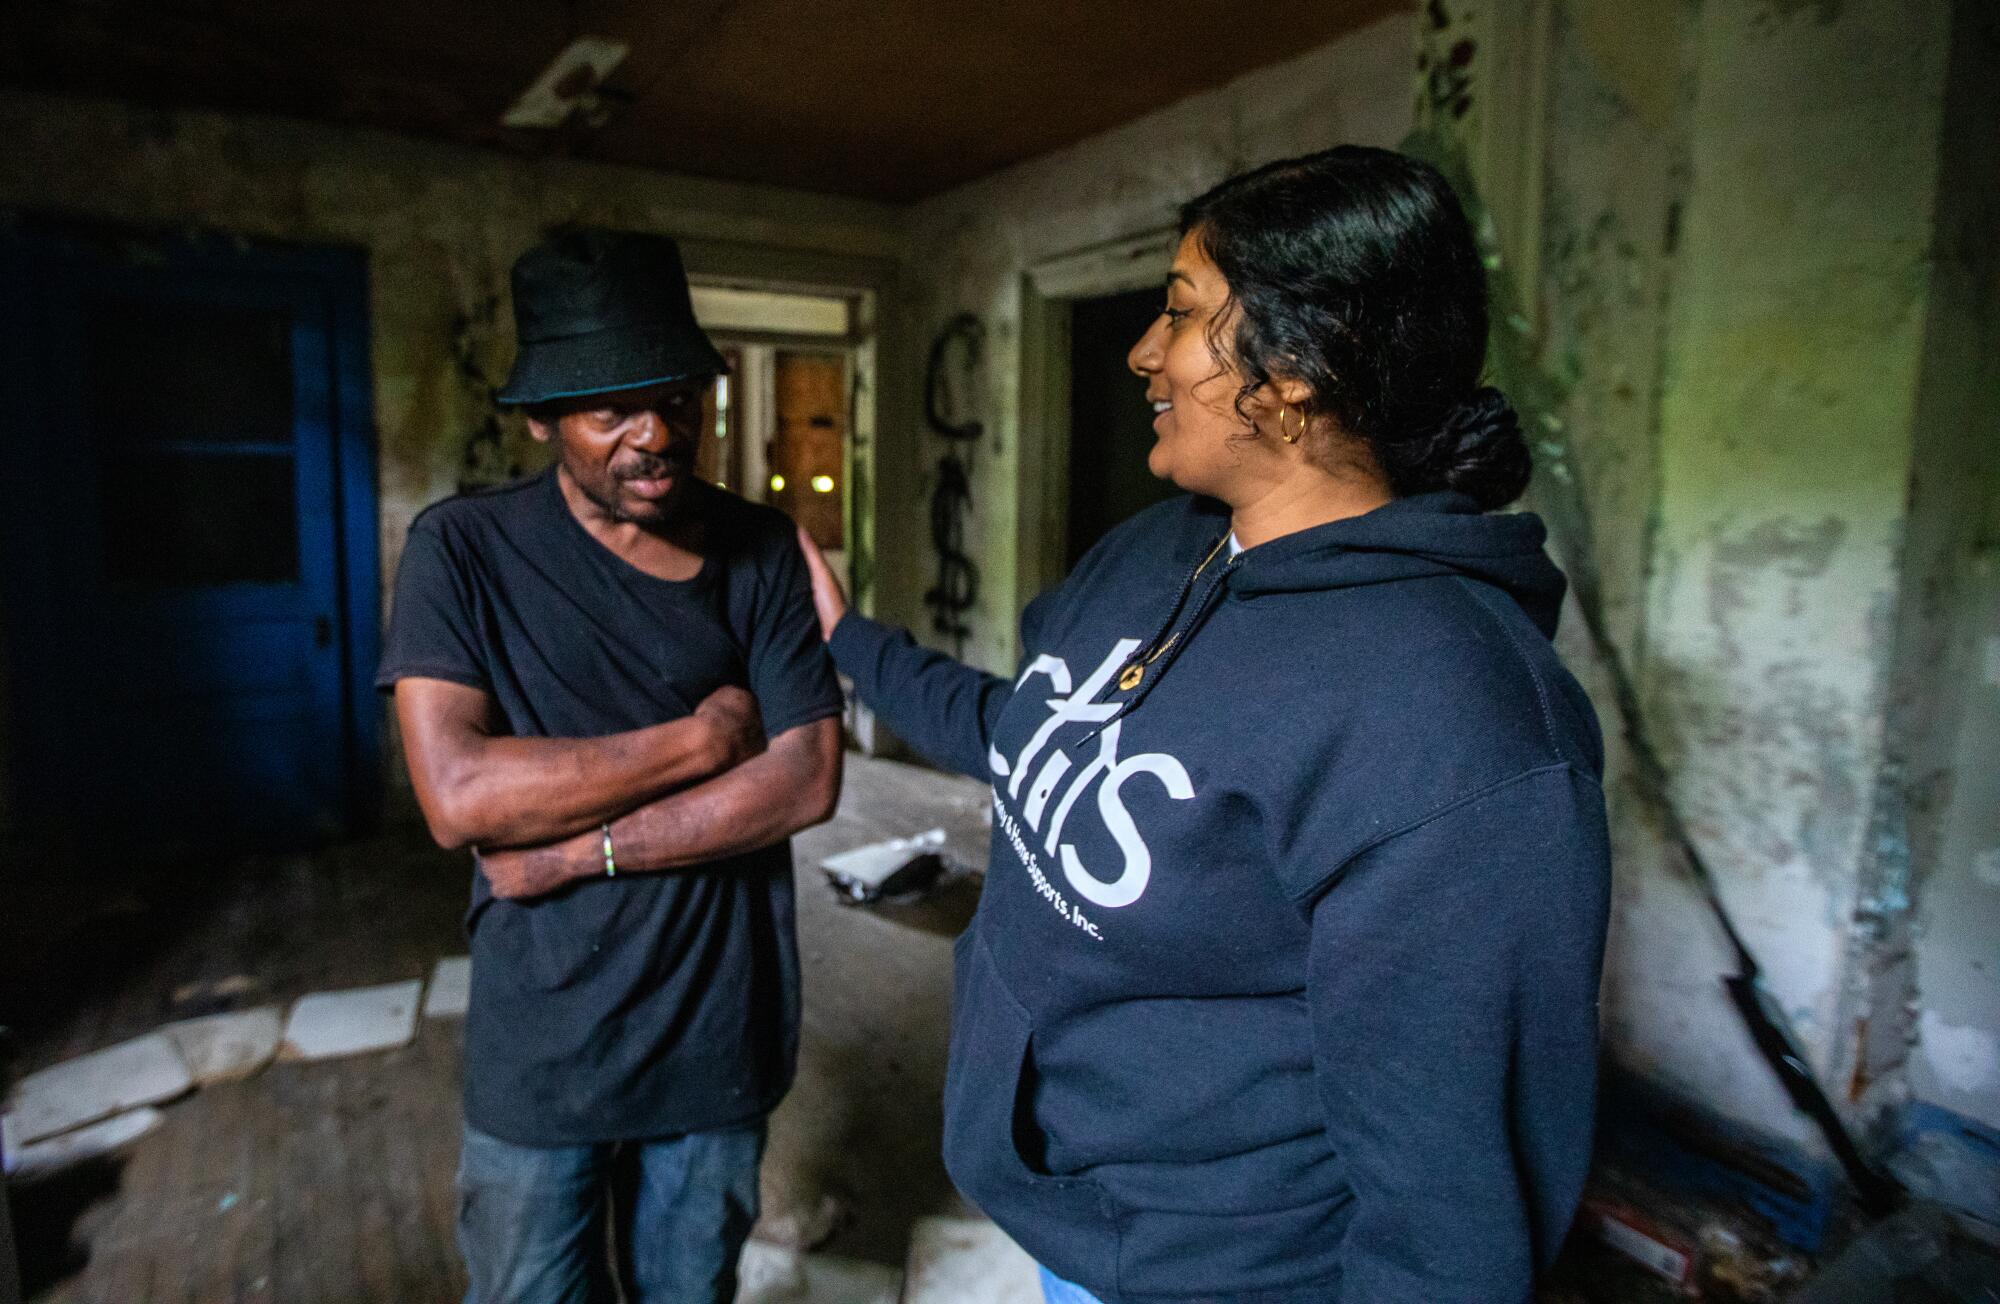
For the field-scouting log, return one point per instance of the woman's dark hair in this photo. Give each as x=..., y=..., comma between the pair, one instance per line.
x=1355, y=271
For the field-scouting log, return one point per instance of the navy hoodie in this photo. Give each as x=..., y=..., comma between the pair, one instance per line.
x=1283, y=985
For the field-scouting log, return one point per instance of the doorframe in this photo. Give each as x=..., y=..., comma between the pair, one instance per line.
x=1048, y=289
x=343, y=273
x=875, y=386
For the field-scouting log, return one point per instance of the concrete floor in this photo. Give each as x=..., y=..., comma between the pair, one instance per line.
x=332, y=1181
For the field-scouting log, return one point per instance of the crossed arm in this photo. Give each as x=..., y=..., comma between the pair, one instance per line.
x=534, y=807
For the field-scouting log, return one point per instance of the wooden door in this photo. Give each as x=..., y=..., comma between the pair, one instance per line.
x=808, y=451
x=181, y=633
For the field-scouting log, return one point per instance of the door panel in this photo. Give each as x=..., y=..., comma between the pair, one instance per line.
x=180, y=671
x=809, y=443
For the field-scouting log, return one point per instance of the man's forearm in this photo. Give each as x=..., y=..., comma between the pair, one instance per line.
x=504, y=791
x=791, y=786
x=762, y=801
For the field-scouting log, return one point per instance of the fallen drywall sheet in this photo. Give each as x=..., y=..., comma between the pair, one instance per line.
x=772, y=1274
x=450, y=989
x=330, y=1024
x=144, y=1071
x=88, y=1142
x=968, y=1261
x=224, y=1047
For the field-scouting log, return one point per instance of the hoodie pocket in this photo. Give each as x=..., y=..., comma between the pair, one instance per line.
x=1067, y=1223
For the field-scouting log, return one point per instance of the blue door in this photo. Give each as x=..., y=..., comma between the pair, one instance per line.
x=189, y=504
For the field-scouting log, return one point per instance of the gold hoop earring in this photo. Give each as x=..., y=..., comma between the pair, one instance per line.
x=1284, y=433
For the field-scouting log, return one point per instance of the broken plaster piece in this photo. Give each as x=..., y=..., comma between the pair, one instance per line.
x=873, y=871
x=101, y=1137
x=968, y=1261
x=450, y=988
x=144, y=1071
x=225, y=1047
x=326, y=1025
x=772, y=1274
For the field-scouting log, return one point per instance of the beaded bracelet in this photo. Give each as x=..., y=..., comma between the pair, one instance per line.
x=610, y=865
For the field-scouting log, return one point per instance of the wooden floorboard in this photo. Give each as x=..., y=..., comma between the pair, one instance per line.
x=332, y=1182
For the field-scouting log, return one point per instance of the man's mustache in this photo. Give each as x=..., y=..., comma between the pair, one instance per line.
x=652, y=466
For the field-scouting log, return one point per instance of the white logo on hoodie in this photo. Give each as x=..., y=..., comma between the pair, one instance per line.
x=1079, y=706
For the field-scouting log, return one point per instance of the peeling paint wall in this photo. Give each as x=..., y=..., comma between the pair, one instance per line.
x=1768, y=304
x=1948, y=681
x=441, y=225
x=971, y=248
x=1793, y=353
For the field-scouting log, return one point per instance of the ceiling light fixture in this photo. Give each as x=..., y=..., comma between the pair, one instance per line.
x=569, y=86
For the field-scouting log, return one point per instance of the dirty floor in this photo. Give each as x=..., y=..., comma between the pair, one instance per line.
x=332, y=1181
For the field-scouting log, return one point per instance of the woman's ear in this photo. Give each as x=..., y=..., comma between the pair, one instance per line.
x=1291, y=391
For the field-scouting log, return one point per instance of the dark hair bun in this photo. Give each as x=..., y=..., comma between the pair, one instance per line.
x=1478, y=451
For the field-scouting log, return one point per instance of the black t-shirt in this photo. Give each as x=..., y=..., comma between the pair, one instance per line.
x=649, y=1004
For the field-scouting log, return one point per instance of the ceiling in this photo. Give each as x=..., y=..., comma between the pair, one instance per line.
x=885, y=99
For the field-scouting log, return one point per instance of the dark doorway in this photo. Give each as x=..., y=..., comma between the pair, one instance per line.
x=190, y=506
x=1110, y=425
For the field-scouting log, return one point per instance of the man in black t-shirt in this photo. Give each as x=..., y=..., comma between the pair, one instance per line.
x=580, y=661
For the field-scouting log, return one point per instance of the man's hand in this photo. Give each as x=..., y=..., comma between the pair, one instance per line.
x=519, y=872
x=739, y=731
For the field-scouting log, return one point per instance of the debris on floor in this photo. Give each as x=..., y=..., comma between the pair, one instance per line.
x=225, y=1047
x=218, y=993
x=451, y=988
x=87, y=1142
x=773, y=1274
x=967, y=1261
x=143, y=1071
x=1922, y=1255
x=798, y=1228
x=900, y=867
x=362, y=1019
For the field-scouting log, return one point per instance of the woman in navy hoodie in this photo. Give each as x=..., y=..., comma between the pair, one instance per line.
x=1283, y=985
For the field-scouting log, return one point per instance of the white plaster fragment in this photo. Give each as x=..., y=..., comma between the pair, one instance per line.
x=772, y=1274
x=224, y=1047
x=1964, y=1059
x=1986, y=866
x=450, y=989
x=329, y=1024
x=144, y=1071
x=967, y=1261
x=101, y=1137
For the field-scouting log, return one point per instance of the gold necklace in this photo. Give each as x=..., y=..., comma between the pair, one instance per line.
x=1136, y=671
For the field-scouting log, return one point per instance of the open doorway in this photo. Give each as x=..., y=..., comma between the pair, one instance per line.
x=783, y=421
x=1085, y=426
x=1110, y=425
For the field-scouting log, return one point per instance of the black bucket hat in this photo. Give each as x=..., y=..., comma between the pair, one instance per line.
x=599, y=311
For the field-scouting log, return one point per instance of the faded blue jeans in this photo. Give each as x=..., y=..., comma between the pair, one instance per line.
x=1057, y=1291
x=533, y=1220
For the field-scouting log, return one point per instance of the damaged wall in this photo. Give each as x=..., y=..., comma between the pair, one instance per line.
x=1765, y=302
x=1948, y=686
x=973, y=247
x=441, y=225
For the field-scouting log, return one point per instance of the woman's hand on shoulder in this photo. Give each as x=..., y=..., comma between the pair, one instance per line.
x=829, y=602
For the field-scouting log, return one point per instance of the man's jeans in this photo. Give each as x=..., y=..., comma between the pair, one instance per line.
x=532, y=1221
